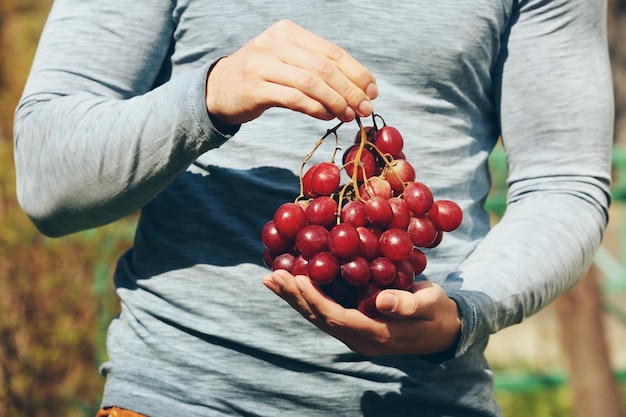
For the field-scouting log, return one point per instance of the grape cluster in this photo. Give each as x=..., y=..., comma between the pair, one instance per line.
x=355, y=239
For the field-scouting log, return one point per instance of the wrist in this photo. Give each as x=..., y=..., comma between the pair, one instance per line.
x=222, y=125
x=451, y=350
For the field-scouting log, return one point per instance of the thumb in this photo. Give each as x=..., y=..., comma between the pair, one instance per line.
x=397, y=303
x=418, y=303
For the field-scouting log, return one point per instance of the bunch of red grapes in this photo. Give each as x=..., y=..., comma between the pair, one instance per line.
x=357, y=238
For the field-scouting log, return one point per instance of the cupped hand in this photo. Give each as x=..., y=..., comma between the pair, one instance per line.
x=422, y=321
x=288, y=66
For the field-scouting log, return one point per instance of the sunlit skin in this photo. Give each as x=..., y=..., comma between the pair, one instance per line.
x=290, y=67
x=404, y=318
x=422, y=321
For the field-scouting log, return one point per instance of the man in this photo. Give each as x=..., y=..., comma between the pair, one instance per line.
x=130, y=107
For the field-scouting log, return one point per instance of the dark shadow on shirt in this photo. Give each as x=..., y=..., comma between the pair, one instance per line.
x=213, y=218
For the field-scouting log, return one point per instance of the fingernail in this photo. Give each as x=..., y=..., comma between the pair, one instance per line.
x=349, y=115
x=269, y=283
x=387, y=302
x=300, y=282
x=365, y=108
x=278, y=279
x=371, y=90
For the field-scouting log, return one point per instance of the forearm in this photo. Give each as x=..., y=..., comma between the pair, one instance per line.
x=524, y=264
x=556, y=115
x=94, y=138
x=84, y=160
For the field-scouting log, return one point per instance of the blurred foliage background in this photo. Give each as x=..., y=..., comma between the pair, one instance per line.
x=57, y=296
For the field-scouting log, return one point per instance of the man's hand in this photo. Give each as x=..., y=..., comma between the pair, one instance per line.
x=423, y=321
x=288, y=66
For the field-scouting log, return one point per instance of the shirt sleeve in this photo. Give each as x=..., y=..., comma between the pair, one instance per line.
x=101, y=128
x=556, y=115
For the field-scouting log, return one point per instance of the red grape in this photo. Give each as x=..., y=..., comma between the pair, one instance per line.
x=418, y=198
x=356, y=271
x=404, y=277
x=274, y=240
x=323, y=211
x=398, y=174
x=343, y=240
x=446, y=214
x=323, y=268
x=382, y=271
x=366, y=299
x=368, y=245
x=378, y=211
x=283, y=261
x=299, y=265
x=311, y=239
x=401, y=214
x=307, y=184
x=353, y=212
x=369, y=134
x=422, y=230
x=396, y=244
x=418, y=261
x=339, y=290
x=389, y=140
x=268, y=257
x=373, y=241
x=375, y=186
x=289, y=218
x=437, y=240
x=366, y=165
x=325, y=178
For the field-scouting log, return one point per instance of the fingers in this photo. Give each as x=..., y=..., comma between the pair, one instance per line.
x=332, y=64
x=320, y=46
x=314, y=305
x=348, y=82
x=328, y=310
x=301, y=94
x=288, y=66
x=428, y=310
x=421, y=303
x=357, y=331
x=318, y=94
x=428, y=321
x=284, y=285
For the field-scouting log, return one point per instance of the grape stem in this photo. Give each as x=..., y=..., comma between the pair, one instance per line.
x=331, y=131
x=357, y=159
x=356, y=162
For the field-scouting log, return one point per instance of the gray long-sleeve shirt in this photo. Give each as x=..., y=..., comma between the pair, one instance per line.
x=113, y=120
